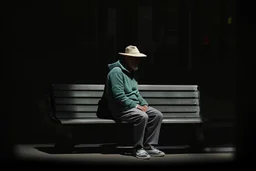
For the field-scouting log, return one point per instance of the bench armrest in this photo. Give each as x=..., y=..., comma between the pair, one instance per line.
x=50, y=105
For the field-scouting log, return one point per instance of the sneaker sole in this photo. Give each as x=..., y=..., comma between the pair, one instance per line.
x=143, y=158
x=157, y=155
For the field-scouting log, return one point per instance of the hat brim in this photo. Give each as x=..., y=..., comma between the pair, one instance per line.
x=140, y=55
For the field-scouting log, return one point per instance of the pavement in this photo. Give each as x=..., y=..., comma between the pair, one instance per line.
x=93, y=155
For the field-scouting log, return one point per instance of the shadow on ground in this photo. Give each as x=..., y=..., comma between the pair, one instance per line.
x=109, y=149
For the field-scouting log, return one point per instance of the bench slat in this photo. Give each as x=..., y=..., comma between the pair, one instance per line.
x=145, y=94
x=141, y=87
x=177, y=108
x=93, y=108
x=151, y=101
x=77, y=101
x=160, y=101
x=106, y=121
x=78, y=87
x=86, y=121
x=62, y=115
x=168, y=87
x=78, y=94
x=148, y=94
x=182, y=120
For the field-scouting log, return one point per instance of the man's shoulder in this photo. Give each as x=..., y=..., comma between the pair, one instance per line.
x=115, y=70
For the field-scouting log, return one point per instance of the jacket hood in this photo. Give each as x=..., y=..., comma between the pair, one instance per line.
x=117, y=64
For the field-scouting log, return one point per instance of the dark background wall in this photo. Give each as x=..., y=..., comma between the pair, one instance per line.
x=72, y=42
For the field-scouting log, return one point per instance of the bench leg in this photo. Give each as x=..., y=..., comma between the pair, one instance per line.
x=65, y=140
x=124, y=134
x=124, y=138
x=197, y=144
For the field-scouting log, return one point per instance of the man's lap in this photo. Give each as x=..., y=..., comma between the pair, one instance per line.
x=135, y=113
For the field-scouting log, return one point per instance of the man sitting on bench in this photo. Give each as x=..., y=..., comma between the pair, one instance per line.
x=126, y=104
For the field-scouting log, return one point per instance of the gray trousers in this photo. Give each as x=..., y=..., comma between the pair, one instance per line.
x=147, y=125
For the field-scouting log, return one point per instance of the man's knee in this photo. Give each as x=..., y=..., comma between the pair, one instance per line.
x=158, y=114
x=143, y=116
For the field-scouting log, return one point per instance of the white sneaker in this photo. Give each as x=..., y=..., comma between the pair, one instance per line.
x=141, y=154
x=155, y=152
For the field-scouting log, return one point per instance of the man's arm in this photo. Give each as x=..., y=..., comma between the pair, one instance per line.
x=117, y=87
x=143, y=102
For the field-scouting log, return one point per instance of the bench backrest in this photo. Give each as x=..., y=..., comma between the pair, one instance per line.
x=79, y=101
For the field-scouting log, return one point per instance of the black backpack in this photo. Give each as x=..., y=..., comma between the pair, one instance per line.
x=103, y=111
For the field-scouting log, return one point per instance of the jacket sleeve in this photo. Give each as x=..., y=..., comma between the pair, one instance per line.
x=117, y=88
x=141, y=99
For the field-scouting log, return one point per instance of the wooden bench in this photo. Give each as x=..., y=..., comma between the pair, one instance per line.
x=73, y=104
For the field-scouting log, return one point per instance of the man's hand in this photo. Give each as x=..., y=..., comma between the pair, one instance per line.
x=142, y=108
x=145, y=107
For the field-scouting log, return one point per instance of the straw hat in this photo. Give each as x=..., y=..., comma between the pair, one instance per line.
x=132, y=51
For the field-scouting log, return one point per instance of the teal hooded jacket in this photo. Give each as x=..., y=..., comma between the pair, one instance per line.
x=122, y=89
